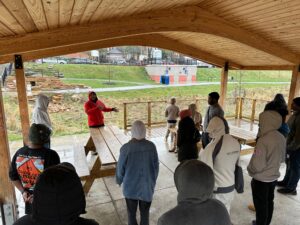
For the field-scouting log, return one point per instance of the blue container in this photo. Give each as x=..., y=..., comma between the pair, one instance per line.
x=162, y=79
x=167, y=80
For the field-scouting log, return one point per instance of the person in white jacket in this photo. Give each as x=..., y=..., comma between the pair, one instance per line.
x=40, y=114
x=224, y=163
x=264, y=165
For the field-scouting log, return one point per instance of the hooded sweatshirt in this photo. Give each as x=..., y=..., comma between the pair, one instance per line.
x=225, y=161
x=40, y=114
x=95, y=115
x=194, y=181
x=58, y=199
x=269, y=151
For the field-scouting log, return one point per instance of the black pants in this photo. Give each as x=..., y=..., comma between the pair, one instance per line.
x=131, y=211
x=263, y=198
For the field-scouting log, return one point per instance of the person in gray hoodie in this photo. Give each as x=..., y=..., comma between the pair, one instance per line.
x=194, y=181
x=40, y=114
x=264, y=165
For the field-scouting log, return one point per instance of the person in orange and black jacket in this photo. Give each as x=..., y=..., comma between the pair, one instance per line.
x=94, y=108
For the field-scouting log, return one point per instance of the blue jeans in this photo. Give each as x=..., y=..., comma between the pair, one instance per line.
x=292, y=174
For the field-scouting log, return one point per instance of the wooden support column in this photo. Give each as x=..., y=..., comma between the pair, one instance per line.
x=22, y=97
x=224, y=81
x=7, y=191
x=295, y=85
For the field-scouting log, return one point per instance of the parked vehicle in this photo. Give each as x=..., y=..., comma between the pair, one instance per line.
x=52, y=61
x=82, y=61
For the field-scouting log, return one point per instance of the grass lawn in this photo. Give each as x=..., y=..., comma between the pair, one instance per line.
x=122, y=73
x=96, y=83
x=213, y=74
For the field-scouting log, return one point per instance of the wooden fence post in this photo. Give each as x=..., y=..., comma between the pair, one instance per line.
x=237, y=106
x=241, y=108
x=149, y=114
x=253, y=109
x=125, y=115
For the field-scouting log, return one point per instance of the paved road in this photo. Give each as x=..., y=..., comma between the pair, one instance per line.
x=150, y=86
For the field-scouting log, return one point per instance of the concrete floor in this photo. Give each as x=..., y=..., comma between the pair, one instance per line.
x=106, y=204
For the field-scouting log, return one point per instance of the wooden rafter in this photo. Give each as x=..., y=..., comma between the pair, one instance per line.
x=190, y=19
x=154, y=40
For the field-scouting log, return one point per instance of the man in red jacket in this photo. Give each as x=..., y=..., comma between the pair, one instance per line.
x=94, y=108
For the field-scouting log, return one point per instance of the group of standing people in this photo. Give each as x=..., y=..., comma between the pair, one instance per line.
x=205, y=181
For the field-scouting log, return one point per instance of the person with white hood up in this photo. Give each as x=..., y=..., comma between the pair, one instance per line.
x=222, y=162
x=40, y=114
x=137, y=171
x=264, y=165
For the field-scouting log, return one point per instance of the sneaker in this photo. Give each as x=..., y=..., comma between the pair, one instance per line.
x=287, y=191
x=251, y=207
x=172, y=150
x=281, y=184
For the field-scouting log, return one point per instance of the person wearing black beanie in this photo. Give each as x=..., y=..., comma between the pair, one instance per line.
x=58, y=199
x=30, y=161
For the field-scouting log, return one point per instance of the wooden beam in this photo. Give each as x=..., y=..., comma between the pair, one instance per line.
x=224, y=81
x=188, y=19
x=154, y=40
x=295, y=85
x=268, y=67
x=7, y=191
x=22, y=97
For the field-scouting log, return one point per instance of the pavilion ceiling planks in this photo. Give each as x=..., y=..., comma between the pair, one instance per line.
x=19, y=11
x=51, y=8
x=10, y=21
x=226, y=48
x=65, y=12
x=36, y=11
x=78, y=10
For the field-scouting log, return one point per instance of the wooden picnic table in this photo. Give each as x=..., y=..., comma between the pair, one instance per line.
x=102, y=152
x=244, y=136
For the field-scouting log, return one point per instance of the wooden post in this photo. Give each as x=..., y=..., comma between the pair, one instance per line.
x=294, y=87
x=22, y=97
x=241, y=108
x=224, y=81
x=7, y=191
x=237, y=106
x=149, y=114
x=125, y=115
x=253, y=109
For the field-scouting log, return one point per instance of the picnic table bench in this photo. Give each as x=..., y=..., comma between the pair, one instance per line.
x=101, y=153
x=246, y=138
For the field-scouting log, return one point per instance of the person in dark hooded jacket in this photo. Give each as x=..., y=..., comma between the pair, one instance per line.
x=58, y=199
x=194, y=181
x=187, y=138
x=94, y=108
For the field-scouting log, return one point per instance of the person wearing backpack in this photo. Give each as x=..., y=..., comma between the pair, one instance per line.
x=222, y=155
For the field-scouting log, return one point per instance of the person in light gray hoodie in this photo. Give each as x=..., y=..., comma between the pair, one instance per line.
x=264, y=165
x=40, y=114
x=194, y=181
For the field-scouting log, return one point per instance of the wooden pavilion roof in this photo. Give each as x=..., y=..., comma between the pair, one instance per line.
x=248, y=34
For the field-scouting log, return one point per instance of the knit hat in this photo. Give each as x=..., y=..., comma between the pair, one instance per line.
x=138, y=130
x=185, y=113
x=297, y=101
x=39, y=134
